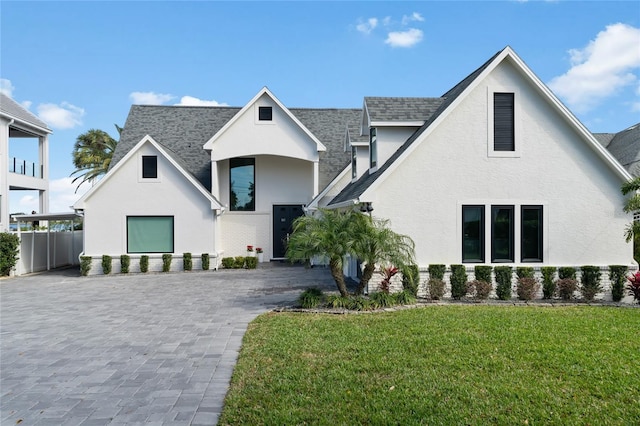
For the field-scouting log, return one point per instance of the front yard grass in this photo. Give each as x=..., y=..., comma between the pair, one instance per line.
x=440, y=365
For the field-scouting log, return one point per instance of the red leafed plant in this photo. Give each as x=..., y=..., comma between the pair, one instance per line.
x=634, y=286
x=249, y=248
x=387, y=273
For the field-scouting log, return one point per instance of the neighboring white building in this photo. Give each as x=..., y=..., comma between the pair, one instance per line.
x=495, y=171
x=18, y=125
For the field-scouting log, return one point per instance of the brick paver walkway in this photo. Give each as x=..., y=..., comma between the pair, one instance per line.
x=153, y=349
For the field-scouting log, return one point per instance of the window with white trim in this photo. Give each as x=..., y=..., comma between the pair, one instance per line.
x=373, y=148
x=150, y=234
x=149, y=167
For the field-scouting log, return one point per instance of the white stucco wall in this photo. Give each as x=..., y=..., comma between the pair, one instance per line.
x=125, y=193
x=583, y=218
x=389, y=139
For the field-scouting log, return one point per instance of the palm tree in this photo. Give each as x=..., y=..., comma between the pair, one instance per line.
x=328, y=234
x=92, y=154
x=376, y=243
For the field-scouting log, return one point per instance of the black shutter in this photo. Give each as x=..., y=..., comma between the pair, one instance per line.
x=503, y=122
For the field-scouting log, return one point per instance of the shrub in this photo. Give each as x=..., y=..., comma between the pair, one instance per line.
x=634, y=286
x=387, y=273
x=483, y=273
x=503, y=280
x=524, y=272
x=85, y=265
x=566, y=287
x=548, y=281
x=382, y=299
x=106, y=264
x=239, y=262
x=166, y=262
x=228, y=262
x=479, y=289
x=617, y=276
x=205, y=261
x=590, y=282
x=404, y=298
x=9, y=244
x=187, y=262
x=144, y=263
x=359, y=303
x=251, y=262
x=436, y=288
x=437, y=271
x=567, y=272
x=527, y=288
x=411, y=279
x=337, y=301
x=310, y=298
x=458, y=281
x=125, y=261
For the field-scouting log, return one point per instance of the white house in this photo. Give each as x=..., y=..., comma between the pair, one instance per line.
x=495, y=171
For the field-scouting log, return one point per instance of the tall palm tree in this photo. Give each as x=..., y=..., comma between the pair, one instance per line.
x=92, y=154
x=376, y=243
x=330, y=234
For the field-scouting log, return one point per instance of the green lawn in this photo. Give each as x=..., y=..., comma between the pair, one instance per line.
x=440, y=365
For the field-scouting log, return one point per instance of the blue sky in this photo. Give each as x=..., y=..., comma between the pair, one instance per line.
x=80, y=65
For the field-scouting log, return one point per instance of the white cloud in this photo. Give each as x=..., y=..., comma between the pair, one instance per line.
x=150, y=98
x=27, y=204
x=26, y=104
x=191, y=101
x=599, y=70
x=62, y=194
x=368, y=26
x=415, y=16
x=6, y=87
x=63, y=116
x=404, y=38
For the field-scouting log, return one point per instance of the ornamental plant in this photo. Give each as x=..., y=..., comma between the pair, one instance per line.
x=437, y=271
x=9, y=244
x=250, y=248
x=187, y=262
x=205, y=261
x=566, y=287
x=387, y=273
x=548, y=282
x=524, y=272
x=251, y=262
x=125, y=261
x=436, y=288
x=258, y=249
x=634, y=286
x=144, y=263
x=106, y=264
x=458, y=281
x=479, y=289
x=483, y=273
x=503, y=280
x=166, y=262
x=85, y=265
x=590, y=282
x=527, y=288
x=617, y=276
x=411, y=279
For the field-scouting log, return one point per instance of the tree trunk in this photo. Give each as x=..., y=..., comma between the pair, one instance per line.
x=335, y=265
x=367, y=273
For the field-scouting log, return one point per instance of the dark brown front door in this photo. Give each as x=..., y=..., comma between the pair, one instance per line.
x=283, y=217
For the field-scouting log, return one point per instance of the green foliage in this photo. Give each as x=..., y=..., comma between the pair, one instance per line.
x=125, y=262
x=483, y=273
x=479, y=289
x=251, y=262
x=92, y=155
x=106, y=264
x=359, y=303
x=228, y=262
x=567, y=272
x=458, y=281
x=382, y=299
x=548, y=281
x=437, y=271
x=411, y=279
x=617, y=276
x=9, y=244
x=503, y=280
x=338, y=301
x=527, y=288
x=187, y=261
x=524, y=272
x=310, y=298
x=144, y=263
x=166, y=262
x=566, y=287
x=404, y=297
x=205, y=261
x=590, y=282
x=634, y=286
x=85, y=265
x=239, y=262
x=436, y=288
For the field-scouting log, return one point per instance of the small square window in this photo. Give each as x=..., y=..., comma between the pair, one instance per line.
x=265, y=113
x=149, y=167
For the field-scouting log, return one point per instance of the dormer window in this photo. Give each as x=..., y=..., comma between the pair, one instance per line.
x=373, y=151
x=265, y=113
x=149, y=167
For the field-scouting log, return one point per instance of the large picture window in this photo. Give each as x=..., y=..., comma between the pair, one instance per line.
x=502, y=234
x=531, y=234
x=149, y=234
x=242, y=184
x=503, y=122
x=473, y=234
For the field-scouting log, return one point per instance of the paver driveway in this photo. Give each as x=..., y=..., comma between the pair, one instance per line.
x=154, y=349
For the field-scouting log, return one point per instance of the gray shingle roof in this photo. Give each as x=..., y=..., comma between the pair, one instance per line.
x=184, y=130
x=401, y=109
x=354, y=134
x=625, y=147
x=14, y=110
x=355, y=189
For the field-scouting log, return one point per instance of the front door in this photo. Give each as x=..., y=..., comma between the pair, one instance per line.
x=283, y=217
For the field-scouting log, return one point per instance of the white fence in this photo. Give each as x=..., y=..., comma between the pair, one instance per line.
x=41, y=251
